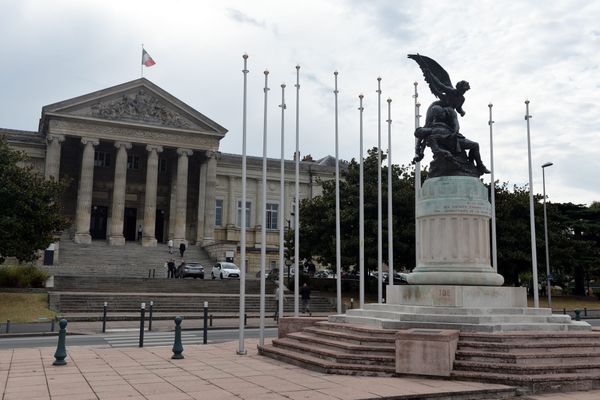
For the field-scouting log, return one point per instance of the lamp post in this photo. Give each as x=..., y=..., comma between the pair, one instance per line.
x=548, y=276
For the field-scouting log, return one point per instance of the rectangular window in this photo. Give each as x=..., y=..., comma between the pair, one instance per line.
x=162, y=165
x=133, y=162
x=272, y=215
x=218, y=212
x=101, y=159
x=239, y=213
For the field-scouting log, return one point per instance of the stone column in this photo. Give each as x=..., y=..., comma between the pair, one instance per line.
x=148, y=238
x=172, y=199
x=201, y=203
x=209, y=206
x=84, y=193
x=53, y=155
x=232, y=209
x=181, y=196
x=116, y=237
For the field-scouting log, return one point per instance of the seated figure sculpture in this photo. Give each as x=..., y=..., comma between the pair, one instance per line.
x=442, y=131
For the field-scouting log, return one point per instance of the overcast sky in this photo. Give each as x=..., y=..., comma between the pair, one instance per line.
x=509, y=51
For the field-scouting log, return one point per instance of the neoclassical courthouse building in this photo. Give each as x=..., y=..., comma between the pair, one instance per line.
x=137, y=156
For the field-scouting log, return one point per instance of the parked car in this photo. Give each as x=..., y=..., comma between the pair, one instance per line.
x=324, y=273
x=191, y=269
x=225, y=270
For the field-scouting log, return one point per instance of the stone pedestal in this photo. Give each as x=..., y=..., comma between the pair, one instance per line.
x=426, y=351
x=453, y=216
x=457, y=296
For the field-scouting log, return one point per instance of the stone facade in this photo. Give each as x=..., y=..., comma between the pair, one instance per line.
x=135, y=156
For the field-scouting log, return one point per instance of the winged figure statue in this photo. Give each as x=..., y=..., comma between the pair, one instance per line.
x=442, y=131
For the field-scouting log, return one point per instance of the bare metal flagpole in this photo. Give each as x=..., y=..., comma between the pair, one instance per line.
x=390, y=208
x=263, y=230
x=493, y=194
x=379, y=212
x=297, y=195
x=536, y=300
x=361, y=212
x=242, y=350
x=338, y=253
x=142, y=66
x=417, y=178
x=281, y=202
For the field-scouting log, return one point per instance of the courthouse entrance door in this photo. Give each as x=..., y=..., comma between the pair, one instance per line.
x=129, y=224
x=98, y=220
x=159, y=228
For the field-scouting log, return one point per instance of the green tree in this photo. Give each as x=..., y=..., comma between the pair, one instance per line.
x=30, y=213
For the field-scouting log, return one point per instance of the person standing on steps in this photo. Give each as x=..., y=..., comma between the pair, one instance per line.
x=140, y=233
x=182, y=249
x=170, y=244
x=171, y=267
x=305, y=295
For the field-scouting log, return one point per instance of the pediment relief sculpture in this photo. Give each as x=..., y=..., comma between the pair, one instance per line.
x=140, y=107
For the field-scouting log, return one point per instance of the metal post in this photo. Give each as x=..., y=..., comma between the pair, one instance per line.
x=177, y=345
x=282, y=202
x=150, y=316
x=104, y=317
x=52, y=323
x=536, y=299
x=338, y=254
x=417, y=181
x=577, y=315
x=242, y=350
x=245, y=319
x=153, y=273
x=351, y=303
x=61, y=348
x=548, y=276
x=390, y=208
x=297, y=203
x=142, y=320
x=361, y=212
x=149, y=273
x=263, y=211
x=211, y=320
x=205, y=330
x=379, y=211
x=8, y=326
x=493, y=194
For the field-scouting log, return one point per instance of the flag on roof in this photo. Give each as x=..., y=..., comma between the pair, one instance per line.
x=146, y=59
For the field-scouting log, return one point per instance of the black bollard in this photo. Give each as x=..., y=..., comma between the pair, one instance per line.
x=564, y=311
x=205, y=335
x=104, y=317
x=142, y=321
x=52, y=325
x=245, y=319
x=153, y=273
x=577, y=315
x=61, y=349
x=177, y=346
x=149, y=273
x=210, y=320
x=8, y=326
x=585, y=311
x=150, y=316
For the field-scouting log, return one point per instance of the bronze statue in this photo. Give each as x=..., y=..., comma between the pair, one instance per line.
x=442, y=130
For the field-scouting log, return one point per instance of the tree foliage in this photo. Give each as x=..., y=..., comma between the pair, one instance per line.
x=30, y=212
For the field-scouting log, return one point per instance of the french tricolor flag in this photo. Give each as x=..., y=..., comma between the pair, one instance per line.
x=146, y=59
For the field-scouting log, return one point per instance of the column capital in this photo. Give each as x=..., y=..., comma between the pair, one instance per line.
x=151, y=148
x=210, y=154
x=86, y=141
x=52, y=137
x=120, y=144
x=186, y=152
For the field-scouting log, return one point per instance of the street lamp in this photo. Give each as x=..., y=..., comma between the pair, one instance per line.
x=548, y=276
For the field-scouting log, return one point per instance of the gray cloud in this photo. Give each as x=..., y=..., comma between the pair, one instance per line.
x=242, y=18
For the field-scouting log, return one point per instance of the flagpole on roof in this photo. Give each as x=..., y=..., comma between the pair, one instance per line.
x=142, y=63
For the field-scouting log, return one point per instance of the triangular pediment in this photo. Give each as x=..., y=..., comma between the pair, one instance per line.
x=138, y=102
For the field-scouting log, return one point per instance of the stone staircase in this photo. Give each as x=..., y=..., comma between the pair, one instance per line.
x=130, y=260
x=395, y=316
x=337, y=349
x=535, y=361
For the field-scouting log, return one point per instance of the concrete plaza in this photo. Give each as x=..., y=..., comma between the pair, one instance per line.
x=207, y=372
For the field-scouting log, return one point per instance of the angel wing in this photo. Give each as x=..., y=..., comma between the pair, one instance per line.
x=436, y=77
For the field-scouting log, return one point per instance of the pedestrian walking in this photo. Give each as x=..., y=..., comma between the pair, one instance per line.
x=276, y=314
x=170, y=244
x=140, y=230
x=182, y=249
x=305, y=296
x=171, y=266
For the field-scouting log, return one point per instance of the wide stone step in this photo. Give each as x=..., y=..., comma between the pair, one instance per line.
x=531, y=369
x=535, y=383
x=411, y=309
x=568, y=356
x=528, y=337
x=322, y=365
x=541, y=346
x=349, y=337
x=341, y=342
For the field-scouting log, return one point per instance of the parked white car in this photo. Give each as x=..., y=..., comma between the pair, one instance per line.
x=225, y=270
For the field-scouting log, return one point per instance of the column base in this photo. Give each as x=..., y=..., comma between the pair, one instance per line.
x=82, y=238
x=149, y=241
x=116, y=240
